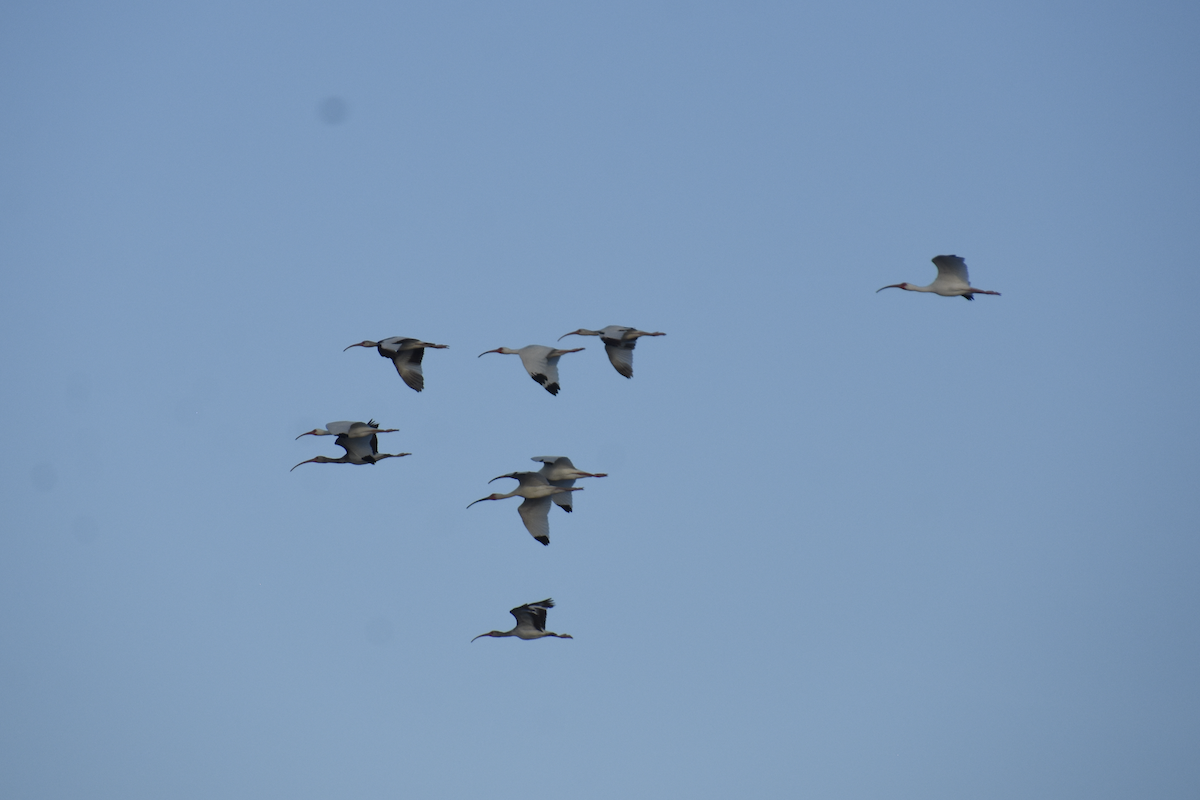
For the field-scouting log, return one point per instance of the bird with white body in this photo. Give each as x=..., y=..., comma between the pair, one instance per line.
x=559, y=471
x=541, y=362
x=535, y=510
x=359, y=439
x=531, y=623
x=619, y=341
x=406, y=354
x=952, y=280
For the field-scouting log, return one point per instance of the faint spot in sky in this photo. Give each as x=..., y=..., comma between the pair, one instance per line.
x=85, y=529
x=333, y=110
x=379, y=631
x=44, y=476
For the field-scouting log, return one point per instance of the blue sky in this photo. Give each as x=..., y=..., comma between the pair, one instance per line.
x=850, y=546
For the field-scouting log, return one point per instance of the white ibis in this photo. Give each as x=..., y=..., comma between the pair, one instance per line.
x=619, y=342
x=535, y=511
x=559, y=471
x=531, y=623
x=353, y=430
x=406, y=354
x=952, y=280
x=541, y=362
x=358, y=439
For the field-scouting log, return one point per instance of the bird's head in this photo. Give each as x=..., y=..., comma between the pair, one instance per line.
x=489, y=633
x=564, y=636
x=315, y=432
x=893, y=286
x=364, y=343
x=497, y=350
x=580, y=332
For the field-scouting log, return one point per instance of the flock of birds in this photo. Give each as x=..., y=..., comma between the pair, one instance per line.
x=554, y=483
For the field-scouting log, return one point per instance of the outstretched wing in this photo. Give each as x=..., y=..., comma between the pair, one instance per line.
x=620, y=355
x=542, y=369
x=408, y=364
x=952, y=272
x=533, y=615
x=535, y=513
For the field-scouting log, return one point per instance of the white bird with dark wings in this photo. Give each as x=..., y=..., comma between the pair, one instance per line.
x=952, y=280
x=541, y=362
x=360, y=440
x=406, y=354
x=559, y=471
x=531, y=623
x=535, y=511
x=619, y=341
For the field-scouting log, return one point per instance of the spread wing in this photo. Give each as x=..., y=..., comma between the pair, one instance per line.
x=408, y=364
x=542, y=369
x=533, y=615
x=952, y=272
x=620, y=355
x=563, y=499
x=363, y=448
x=535, y=512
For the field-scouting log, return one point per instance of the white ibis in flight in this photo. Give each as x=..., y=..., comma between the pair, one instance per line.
x=952, y=280
x=619, y=342
x=559, y=471
x=406, y=354
x=359, y=439
x=541, y=362
x=531, y=623
x=535, y=511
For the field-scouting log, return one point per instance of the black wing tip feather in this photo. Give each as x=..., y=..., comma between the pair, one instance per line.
x=543, y=540
x=552, y=388
x=567, y=509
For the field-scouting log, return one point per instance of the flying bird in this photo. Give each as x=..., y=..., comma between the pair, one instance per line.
x=559, y=471
x=359, y=439
x=619, y=342
x=535, y=511
x=952, y=280
x=353, y=430
x=406, y=354
x=531, y=623
x=541, y=362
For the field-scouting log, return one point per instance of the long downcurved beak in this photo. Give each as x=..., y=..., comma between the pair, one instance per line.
x=485, y=352
x=312, y=432
x=480, y=500
x=311, y=460
x=565, y=335
x=480, y=636
x=892, y=286
x=359, y=344
x=509, y=475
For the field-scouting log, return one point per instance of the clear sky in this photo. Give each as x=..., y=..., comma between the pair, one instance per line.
x=851, y=545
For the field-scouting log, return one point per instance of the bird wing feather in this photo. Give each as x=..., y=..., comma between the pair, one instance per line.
x=535, y=513
x=408, y=365
x=952, y=272
x=533, y=615
x=620, y=355
x=563, y=499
